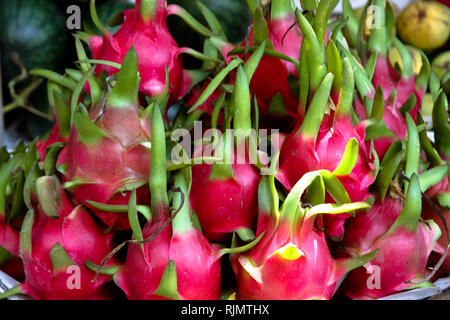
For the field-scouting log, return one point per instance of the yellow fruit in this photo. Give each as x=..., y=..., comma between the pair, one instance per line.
x=441, y=64
x=395, y=58
x=425, y=25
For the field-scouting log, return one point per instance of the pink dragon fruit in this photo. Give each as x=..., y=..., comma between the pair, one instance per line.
x=284, y=40
x=145, y=29
x=402, y=90
x=54, y=245
x=293, y=261
x=179, y=262
x=106, y=154
x=387, y=223
x=224, y=196
x=320, y=143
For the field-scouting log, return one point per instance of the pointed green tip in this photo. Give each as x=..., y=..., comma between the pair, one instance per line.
x=48, y=194
x=60, y=258
x=147, y=9
x=125, y=91
x=281, y=8
x=412, y=209
x=168, y=285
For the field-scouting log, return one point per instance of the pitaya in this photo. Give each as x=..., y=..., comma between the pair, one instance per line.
x=145, y=29
x=392, y=220
x=224, y=196
x=403, y=90
x=107, y=152
x=293, y=261
x=176, y=261
x=54, y=245
x=384, y=227
x=320, y=141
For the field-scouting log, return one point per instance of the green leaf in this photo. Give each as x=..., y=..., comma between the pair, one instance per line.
x=211, y=19
x=410, y=215
x=333, y=208
x=241, y=249
x=409, y=104
x=60, y=258
x=168, y=285
x=51, y=157
x=412, y=157
x=313, y=119
x=245, y=234
x=88, y=132
x=347, y=89
x=25, y=235
x=334, y=64
x=189, y=19
x=349, y=158
x=48, y=194
x=133, y=218
x=125, y=91
x=215, y=83
x=444, y=199
x=252, y=63
x=432, y=177
x=371, y=64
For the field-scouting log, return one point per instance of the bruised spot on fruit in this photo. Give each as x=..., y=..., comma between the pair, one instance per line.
x=422, y=14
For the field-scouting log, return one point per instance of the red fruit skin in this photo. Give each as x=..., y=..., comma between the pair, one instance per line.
x=9, y=237
x=225, y=205
x=278, y=70
x=311, y=276
x=155, y=46
x=368, y=232
x=196, y=262
x=113, y=163
x=77, y=232
x=300, y=155
x=53, y=137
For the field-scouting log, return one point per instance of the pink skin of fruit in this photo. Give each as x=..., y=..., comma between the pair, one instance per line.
x=197, y=266
x=9, y=238
x=372, y=230
x=278, y=70
x=312, y=276
x=155, y=46
x=80, y=236
x=301, y=155
x=224, y=205
x=122, y=156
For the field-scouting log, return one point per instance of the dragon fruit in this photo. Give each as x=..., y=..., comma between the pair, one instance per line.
x=54, y=245
x=107, y=152
x=402, y=89
x=178, y=262
x=293, y=261
x=387, y=223
x=320, y=142
x=393, y=219
x=224, y=196
x=284, y=38
x=145, y=29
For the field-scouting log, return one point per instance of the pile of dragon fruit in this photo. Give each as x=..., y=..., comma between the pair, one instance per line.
x=350, y=200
